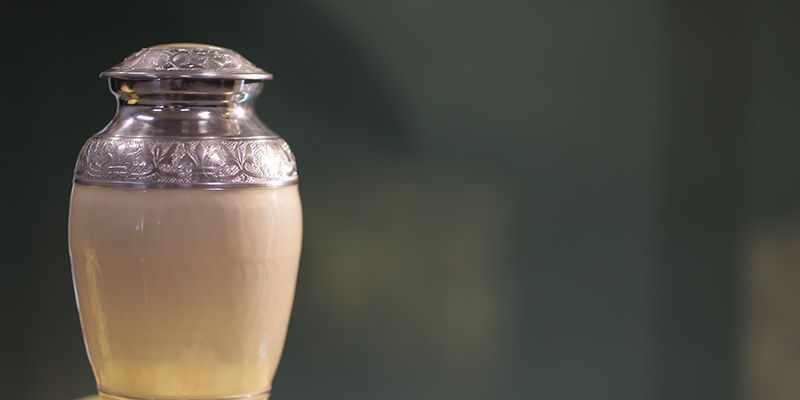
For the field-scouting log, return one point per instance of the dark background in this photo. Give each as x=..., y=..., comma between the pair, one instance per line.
x=503, y=199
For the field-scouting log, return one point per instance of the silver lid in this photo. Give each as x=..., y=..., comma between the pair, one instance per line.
x=186, y=60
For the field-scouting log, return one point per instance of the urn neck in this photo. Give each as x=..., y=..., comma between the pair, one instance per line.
x=185, y=108
x=179, y=92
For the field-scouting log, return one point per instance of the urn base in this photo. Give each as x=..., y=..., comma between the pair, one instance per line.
x=106, y=396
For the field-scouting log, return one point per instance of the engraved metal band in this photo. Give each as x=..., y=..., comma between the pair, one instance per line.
x=186, y=162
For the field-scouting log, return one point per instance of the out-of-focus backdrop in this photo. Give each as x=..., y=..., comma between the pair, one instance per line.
x=503, y=199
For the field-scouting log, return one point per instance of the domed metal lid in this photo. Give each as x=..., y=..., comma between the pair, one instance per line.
x=186, y=60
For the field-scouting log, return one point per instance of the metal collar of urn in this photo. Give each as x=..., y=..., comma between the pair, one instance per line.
x=185, y=119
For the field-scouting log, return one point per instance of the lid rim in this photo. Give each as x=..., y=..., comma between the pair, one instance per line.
x=186, y=74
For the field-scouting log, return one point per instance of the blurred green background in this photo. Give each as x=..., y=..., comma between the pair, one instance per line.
x=503, y=199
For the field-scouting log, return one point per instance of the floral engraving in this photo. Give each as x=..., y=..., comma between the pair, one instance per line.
x=186, y=59
x=180, y=162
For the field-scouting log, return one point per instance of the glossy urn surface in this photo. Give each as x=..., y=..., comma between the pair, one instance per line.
x=185, y=231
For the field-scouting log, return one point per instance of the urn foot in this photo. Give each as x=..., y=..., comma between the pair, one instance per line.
x=106, y=396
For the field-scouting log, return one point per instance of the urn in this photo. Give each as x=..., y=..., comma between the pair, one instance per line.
x=185, y=231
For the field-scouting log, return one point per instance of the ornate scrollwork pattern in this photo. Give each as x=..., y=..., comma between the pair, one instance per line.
x=212, y=59
x=186, y=163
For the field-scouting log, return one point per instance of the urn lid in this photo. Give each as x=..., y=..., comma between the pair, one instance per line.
x=186, y=60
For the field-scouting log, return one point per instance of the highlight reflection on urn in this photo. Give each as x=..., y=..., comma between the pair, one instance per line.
x=185, y=231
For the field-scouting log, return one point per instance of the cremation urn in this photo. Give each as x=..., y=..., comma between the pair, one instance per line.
x=185, y=231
